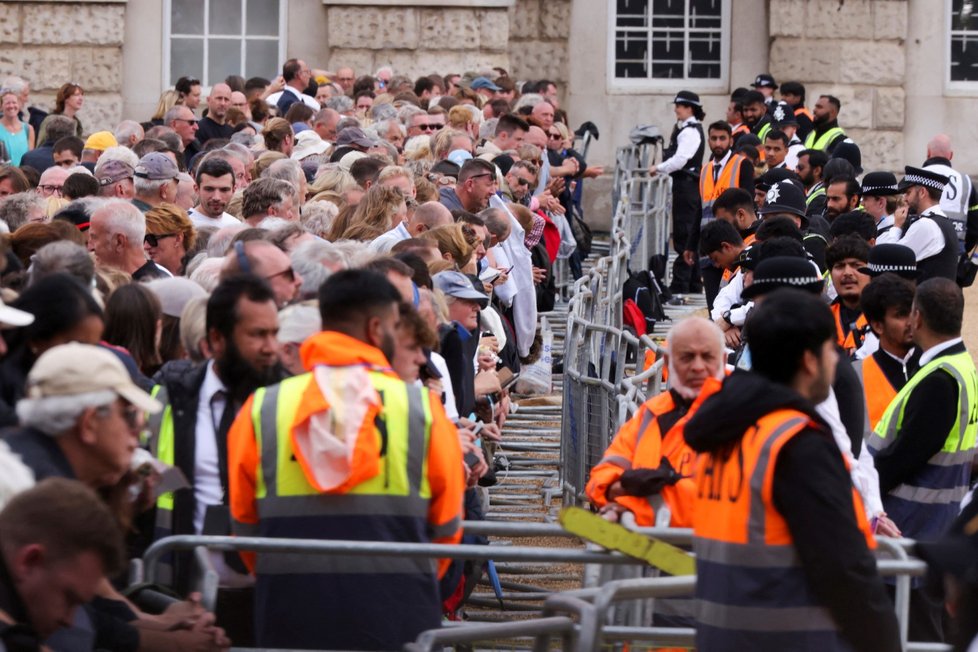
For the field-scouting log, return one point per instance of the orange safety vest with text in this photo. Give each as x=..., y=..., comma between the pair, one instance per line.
x=710, y=189
x=854, y=339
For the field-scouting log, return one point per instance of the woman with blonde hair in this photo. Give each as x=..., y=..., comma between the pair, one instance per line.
x=264, y=161
x=279, y=136
x=454, y=246
x=461, y=118
x=169, y=236
x=168, y=99
x=333, y=179
x=380, y=210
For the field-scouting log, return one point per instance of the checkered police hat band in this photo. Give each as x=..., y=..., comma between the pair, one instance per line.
x=918, y=180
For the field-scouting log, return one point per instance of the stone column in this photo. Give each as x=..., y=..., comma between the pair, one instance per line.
x=855, y=50
x=51, y=43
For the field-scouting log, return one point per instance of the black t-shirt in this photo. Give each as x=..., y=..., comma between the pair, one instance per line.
x=148, y=272
x=208, y=129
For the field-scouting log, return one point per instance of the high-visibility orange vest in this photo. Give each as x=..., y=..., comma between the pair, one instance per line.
x=854, y=339
x=877, y=389
x=740, y=129
x=728, y=178
x=750, y=586
x=803, y=110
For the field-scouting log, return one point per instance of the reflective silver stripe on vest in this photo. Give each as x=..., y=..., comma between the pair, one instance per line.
x=302, y=564
x=617, y=460
x=445, y=529
x=269, y=440
x=930, y=496
x=956, y=458
x=343, y=505
x=646, y=421
x=750, y=555
x=765, y=619
x=416, y=430
x=756, y=525
x=877, y=442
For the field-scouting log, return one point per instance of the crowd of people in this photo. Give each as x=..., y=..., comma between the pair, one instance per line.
x=828, y=397
x=289, y=307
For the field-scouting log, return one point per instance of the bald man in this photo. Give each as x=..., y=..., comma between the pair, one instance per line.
x=960, y=199
x=214, y=124
x=650, y=446
x=427, y=216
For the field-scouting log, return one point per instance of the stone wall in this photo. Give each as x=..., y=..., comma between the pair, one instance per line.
x=855, y=50
x=528, y=38
x=50, y=43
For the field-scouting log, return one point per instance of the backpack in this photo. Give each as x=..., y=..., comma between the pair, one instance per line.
x=642, y=290
x=582, y=232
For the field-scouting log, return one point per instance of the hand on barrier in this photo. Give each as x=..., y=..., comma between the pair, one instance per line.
x=612, y=512
x=885, y=527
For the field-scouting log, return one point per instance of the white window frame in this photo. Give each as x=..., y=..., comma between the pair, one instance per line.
x=960, y=88
x=283, y=28
x=636, y=85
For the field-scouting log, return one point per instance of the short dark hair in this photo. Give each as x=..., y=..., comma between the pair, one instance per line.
x=222, y=306
x=752, y=97
x=776, y=134
x=720, y=125
x=780, y=247
x=778, y=227
x=884, y=292
x=79, y=185
x=422, y=84
x=290, y=69
x=733, y=199
x=465, y=217
x=185, y=84
x=834, y=101
x=717, y=232
x=858, y=223
x=474, y=167
x=422, y=276
x=366, y=168
x=385, y=265
x=787, y=324
x=256, y=84
x=52, y=318
x=816, y=157
x=940, y=303
x=750, y=151
x=848, y=246
x=509, y=123
x=353, y=295
x=793, y=88
x=216, y=168
x=66, y=517
x=74, y=143
x=853, y=189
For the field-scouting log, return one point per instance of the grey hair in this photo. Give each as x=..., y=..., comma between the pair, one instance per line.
x=15, y=84
x=407, y=113
x=56, y=415
x=296, y=323
x=15, y=476
x=340, y=103
x=208, y=273
x=242, y=138
x=318, y=216
x=119, y=153
x=218, y=245
x=173, y=114
x=148, y=187
x=488, y=128
x=309, y=260
x=529, y=100
x=346, y=121
x=16, y=209
x=62, y=256
x=683, y=324
x=123, y=217
x=126, y=130
x=285, y=169
x=193, y=327
x=383, y=111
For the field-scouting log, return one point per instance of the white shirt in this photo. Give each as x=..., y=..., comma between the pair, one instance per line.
x=207, y=475
x=729, y=296
x=525, y=297
x=383, y=243
x=935, y=350
x=687, y=142
x=305, y=99
x=924, y=236
x=795, y=147
x=446, y=384
x=884, y=224
x=226, y=219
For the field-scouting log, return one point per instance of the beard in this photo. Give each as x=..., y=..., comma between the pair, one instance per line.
x=388, y=346
x=240, y=376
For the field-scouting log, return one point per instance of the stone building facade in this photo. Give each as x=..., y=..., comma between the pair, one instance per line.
x=885, y=59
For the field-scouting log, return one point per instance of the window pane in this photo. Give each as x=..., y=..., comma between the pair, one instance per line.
x=262, y=18
x=964, y=57
x=630, y=54
x=186, y=58
x=963, y=15
x=669, y=13
x=224, y=58
x=632, y=13
x=225, y=16
x=704, y=55
x=187, y=17
x=261, y=59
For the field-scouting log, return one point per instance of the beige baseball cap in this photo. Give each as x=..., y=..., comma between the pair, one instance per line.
x=75, y=368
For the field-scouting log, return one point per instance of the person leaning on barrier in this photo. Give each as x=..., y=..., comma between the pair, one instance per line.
x=648, y=464
x=346, y=451
x=781, y=538
x=924, y=445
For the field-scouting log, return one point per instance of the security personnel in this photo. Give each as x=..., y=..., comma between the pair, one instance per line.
x=886, y=303
x=781, y=539
x=755, y=115
x=765, y=85
x=682, y=160
x=735, y=114
x=811, y=164
x=724, y=170
x=959, y=201
x=347, y=451
x=925, y=443
x=879, y=191
x=845, y=259
x=925, y=229
x=637, y=456
x=827, y=134
x=793, y=93
x=785, y=198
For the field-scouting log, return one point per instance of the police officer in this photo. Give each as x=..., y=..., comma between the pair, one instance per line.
x=781, y=538
x=879, y=190
x=682, y=159
x=765, y=85
x=925, y=228
x=959, y=201
x=925, y=443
